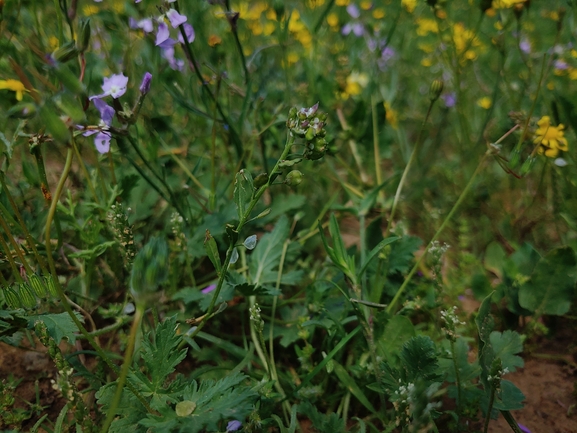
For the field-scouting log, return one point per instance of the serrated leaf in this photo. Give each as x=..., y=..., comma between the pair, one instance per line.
x=243, y=191
x=322, y=423
x=419, y=359
x=505, y=346
x=59, y=326
x=160, y=352
x=467, y=371
x=398, y=331
x=509, y=397
x=552, y=285
x=402, y=254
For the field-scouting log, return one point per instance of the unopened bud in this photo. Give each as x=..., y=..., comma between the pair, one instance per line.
x=84, y=35
x=294, y=178
x=66, y=52
x=435, y=90
x=145, y=85
x=260, y=180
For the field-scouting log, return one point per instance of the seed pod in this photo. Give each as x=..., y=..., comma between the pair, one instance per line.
x=38, y=286
x=260, y=180
x=12, y=298
x=27, y=296
x=294, y=178
x=84, y=38
x=66, y=52
x=435, y=90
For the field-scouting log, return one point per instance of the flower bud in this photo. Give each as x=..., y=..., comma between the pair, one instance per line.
x=66, y=52
x=435, y=90
x=84, y=35
x=54, y=125
x=260, y=180
x=145, y=85
x=12, y=298
x=294, y=178
x=150, y=270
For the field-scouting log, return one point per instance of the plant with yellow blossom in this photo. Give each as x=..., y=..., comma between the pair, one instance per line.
x=550, y=138
x=15, y=86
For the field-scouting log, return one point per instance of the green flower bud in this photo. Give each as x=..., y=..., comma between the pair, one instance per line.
x=70, y=106
x=23, y=110
x=27, y=296
x=435, y=90
x=50, y=285
x=66, y=52
x=38, y=286
x=294, y=178
x=310, y=134
x=260, y=180
x=84, y=35
x=68, y=79
x=12, y=298
x=150, y=270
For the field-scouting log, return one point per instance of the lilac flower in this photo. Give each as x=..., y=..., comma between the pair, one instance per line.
x=209, y=289
x=175, y=18
x=174, y=63
x=103, y=137
x=353, y=11
x=114, y=86
x=525, y=46
x=386, y=56
x=233, y=425
x=561, y=64
x=163, y=39
x=450, y=99
x=523, y=428
x=189, y=32
x=145, y=85
x=144, y=24
x=356, y=28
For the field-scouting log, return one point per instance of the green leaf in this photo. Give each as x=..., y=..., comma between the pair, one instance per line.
x=160, y=352
x=509, y=397
x=552, y=285
x=243, y=191
x=59, y=326
x=402, y=254
x=323, y=423
x=485, y=325
x=505, y=346
x=212, y=251
x=397, y=332
x=419, y=359
x=93, y=252
x=374, y=252
x=467, y=371
x=265, y=257
x=351, y=386
x=494, y=257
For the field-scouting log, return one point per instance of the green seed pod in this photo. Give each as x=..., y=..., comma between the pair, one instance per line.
x=38, y=286
x=294, y=178
x=435, y=90
x=27, y=296
x=285, y=163
x=260, y=180
x=66, y=52
x=12, y=298
x=84, y=35
x=51, y=286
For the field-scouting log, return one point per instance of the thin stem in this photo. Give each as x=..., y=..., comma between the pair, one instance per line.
x=60, y=291
x=125, y=367
x=243, y=220
x=376, y=147
x=407, y=168
x=457, y=377
x=439, y=231
x=489, y=409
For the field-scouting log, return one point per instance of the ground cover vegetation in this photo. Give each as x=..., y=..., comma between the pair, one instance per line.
x=267, y=215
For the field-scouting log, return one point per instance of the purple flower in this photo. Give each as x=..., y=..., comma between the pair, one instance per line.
x=561, y=64
x=189, y=32
x=163, y=39
x=114, y=86
x=106, y=111
x=145, y=85
x=523, y=428
x=356, y=28
x=233, y=425
x=525, y=46
x=175, y=18
x=174, y=63
x=144, y=24
x=209, y=289
x=103, y=137
x=450, y=99
x=353, y=11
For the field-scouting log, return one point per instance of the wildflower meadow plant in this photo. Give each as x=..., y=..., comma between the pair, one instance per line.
x=223, y=216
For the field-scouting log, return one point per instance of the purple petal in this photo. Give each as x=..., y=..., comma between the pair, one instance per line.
x=106, y=111
x=145, y=85
x=115, y=85
x=358, y=29
x=189, y=32
x=208, y=289
x=233, y=425
x=162, y=33
x=175, y=18
x=102, y=142
x=146, y=25
x=132, y=23
x=353, y=11
x=523, y=428
x=174, y=63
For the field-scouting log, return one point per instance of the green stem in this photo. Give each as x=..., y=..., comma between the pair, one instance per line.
x=457, y=377
x=60, y=291
x=243, y=220
x=376, y=147
x=489, y=409
x=407, y=168
x=439, y=231
x=125, y=367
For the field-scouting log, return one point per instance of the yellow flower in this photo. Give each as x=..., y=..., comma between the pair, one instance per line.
x=485, y=102
x=550, y=138
x=366, y=5
x=507, y=4
x=391, y=115
x=426, y=25
x=333, y=19
x=15, y=86
x=379, y=13
x=356, y=82
x=313, y=4
x=89, y=10
x=342, y=2
x=409, y=5
x=214, y=40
